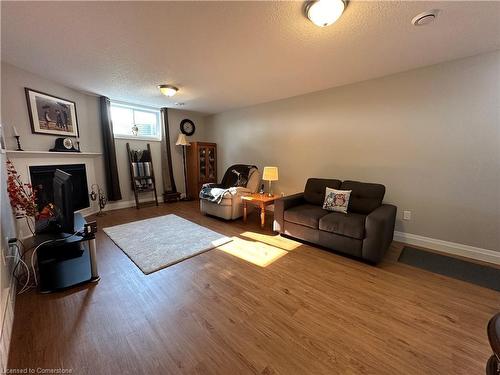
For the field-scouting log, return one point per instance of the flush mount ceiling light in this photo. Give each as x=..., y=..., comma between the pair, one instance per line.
x=168, y=90
x=425, y=18
x=324, y=12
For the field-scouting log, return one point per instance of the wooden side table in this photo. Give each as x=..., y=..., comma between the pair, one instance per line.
x=260, y=200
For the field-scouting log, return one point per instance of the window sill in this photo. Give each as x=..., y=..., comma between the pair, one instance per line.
x=138, y=138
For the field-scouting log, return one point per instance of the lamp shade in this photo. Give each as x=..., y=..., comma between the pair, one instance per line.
x=168, y=90
x=270, y=174
x=324, y=12
x=182, y=141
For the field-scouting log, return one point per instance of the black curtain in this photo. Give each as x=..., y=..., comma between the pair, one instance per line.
x=166, y=157
x=108, y=140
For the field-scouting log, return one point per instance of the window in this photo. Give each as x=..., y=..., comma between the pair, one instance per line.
x=125, y=116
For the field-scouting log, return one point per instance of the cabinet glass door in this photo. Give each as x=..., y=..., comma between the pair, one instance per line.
x=202, y=162
x=211, y=166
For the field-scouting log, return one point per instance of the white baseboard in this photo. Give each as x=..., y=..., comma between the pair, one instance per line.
x=126, y=204
x=453, y=248
x=118, y=205
x=6, y=326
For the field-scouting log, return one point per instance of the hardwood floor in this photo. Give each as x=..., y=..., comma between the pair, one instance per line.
x=307, y=311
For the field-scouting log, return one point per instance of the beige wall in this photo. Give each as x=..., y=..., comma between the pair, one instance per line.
x=15, y=110
x=15, y=113
x=430, y=135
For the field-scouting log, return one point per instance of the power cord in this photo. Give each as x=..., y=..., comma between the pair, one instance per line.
x=15, y=274
x=25, y=286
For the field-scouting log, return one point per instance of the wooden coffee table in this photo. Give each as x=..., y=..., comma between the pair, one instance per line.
x=261, y=200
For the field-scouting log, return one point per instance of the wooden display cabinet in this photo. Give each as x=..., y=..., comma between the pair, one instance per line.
x=201, y=165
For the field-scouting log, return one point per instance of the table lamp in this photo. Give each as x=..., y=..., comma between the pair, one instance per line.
x=270, y=174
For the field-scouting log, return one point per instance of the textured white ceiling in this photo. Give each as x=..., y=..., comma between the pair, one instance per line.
x=225, y=55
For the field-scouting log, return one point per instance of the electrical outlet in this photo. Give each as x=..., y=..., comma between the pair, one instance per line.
x=406, y=215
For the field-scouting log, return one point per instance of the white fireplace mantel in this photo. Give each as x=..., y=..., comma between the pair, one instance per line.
x=30, y=154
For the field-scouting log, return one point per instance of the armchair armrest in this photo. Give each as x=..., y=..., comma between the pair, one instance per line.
x=283, y=204
x=236, y=192
x=379, y=227
x=240, y=190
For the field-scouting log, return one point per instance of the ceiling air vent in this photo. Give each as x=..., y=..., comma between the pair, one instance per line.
x=425, y=18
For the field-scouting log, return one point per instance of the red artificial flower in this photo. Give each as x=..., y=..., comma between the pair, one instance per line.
x=22, y=195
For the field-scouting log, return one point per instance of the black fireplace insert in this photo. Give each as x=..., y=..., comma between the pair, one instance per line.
x=42, y=179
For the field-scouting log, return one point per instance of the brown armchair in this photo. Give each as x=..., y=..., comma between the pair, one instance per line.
x=229, y=205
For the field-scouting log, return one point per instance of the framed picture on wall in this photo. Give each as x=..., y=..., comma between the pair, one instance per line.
x=51, y=115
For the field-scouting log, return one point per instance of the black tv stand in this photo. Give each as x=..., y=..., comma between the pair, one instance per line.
x=48, y=226
x=66, y=259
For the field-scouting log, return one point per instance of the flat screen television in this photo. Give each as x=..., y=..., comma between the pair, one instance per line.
x=63, y=202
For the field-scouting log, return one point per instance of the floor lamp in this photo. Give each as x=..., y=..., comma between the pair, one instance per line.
x=182, y=141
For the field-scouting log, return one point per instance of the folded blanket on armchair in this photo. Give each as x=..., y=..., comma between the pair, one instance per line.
x=236, y=176
x=215, y=194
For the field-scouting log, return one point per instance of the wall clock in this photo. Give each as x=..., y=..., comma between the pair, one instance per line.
x=187, y=127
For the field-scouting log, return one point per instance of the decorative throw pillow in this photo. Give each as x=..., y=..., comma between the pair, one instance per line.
x=336, y=200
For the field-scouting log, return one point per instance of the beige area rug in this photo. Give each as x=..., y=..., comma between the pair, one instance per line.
x=156, y=243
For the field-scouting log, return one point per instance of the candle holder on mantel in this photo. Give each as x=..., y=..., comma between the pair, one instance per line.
x=97, y=194
x=18, y=143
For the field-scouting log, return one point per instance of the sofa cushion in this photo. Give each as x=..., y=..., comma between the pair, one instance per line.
x=349, y=225
x=365, y=197
x=305, y=214
x=314, y=192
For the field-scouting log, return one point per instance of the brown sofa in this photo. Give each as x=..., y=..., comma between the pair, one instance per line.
x=366, y=231
x=493, y=329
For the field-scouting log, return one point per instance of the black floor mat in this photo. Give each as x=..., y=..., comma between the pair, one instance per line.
x=489, y=277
